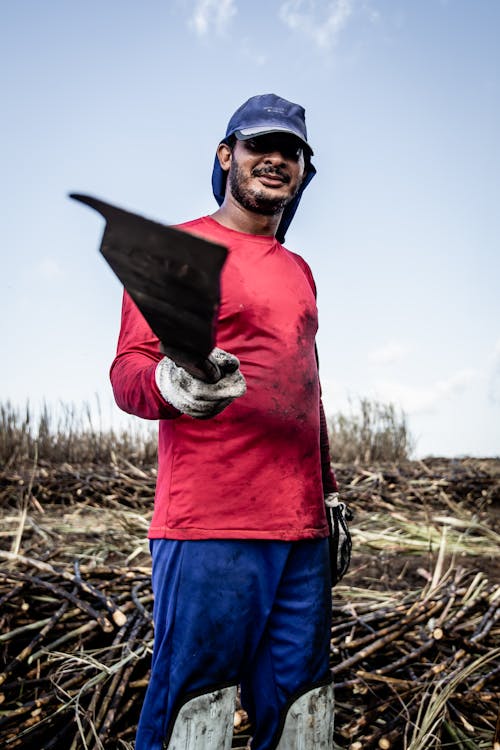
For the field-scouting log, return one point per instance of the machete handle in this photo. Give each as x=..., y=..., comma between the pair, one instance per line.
x=214, y=371
x=208, y=371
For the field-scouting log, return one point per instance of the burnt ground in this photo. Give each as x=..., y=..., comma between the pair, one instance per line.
x=418, y=610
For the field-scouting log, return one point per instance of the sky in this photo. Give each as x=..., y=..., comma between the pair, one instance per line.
x=401, y=226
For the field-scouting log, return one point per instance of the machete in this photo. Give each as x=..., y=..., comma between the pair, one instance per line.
x=174, y=279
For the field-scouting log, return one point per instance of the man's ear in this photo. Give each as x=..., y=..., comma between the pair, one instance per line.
x=304, y=170
x=224, y=154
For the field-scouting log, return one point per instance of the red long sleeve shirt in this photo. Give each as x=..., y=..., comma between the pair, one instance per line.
x=258, y=470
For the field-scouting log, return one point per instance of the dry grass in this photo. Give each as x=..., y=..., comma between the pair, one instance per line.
x=68, y=433
x=373, y=432
x=432, y=711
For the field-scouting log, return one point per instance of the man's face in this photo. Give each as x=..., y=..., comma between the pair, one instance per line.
x=265, y=172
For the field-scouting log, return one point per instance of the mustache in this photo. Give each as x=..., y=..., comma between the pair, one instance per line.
x=260, y=171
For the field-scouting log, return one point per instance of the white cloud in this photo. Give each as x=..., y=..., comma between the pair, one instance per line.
x=310, y=18
x=212, y=14
x=424, y=399
x=388, y=354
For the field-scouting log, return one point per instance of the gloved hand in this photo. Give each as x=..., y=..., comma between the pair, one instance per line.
x=195, y=397
x=338, y=514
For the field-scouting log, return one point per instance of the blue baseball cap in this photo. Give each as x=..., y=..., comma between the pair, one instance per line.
x=260, y=115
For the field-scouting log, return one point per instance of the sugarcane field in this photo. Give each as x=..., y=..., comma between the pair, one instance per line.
x=415, y=634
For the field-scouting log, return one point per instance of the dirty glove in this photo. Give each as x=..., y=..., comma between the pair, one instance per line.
x=196, y=397
x=338, y=514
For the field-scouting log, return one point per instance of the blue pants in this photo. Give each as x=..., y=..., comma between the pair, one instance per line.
x=255, y=613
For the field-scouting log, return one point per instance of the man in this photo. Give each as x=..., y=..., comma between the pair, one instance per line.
x=239, y=535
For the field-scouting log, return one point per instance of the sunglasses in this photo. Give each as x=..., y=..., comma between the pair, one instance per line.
x=287, y=145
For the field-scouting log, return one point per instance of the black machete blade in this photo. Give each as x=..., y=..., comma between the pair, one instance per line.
x=173, y=278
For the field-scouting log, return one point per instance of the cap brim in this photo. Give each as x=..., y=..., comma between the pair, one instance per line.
x=245, y=133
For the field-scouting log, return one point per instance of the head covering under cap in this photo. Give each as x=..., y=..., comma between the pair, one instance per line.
x=259, y=115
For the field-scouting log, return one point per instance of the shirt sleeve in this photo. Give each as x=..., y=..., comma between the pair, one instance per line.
x=328, y=475
x=132, y=372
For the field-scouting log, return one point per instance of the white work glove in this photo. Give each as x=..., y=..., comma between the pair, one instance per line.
x=196, y=397
x=338, y=514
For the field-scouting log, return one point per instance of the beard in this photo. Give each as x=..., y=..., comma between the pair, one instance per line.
x=258, y=201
